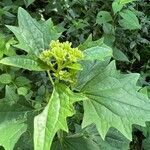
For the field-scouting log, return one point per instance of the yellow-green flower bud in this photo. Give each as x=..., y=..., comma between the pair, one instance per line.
x=64, y=64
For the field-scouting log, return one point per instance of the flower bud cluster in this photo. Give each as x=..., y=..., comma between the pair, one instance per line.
x=62, y=59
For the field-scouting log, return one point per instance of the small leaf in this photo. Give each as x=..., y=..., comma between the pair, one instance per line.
x=22, y=91
x=108, y=29
x=10, y=94
x=5, y=78
x=22, y=81
x=109, y=39
x=116, y=6
x=53, y=117
x=103, y=17
x=28, y=2
x=119, y=55
x=24, y=62
x=129, y=21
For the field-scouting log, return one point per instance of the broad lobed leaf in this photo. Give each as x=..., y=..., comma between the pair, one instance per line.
x=33, y=36
x=113, y=100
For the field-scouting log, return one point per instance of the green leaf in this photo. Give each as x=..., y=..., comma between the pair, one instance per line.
x=97, y=52
x=33, y=37
x=12, y=123
x=126, y=1
x=119, y=55
x=114, y=140
x=26, y=140
x=15, y=111
x=89, y=43
x=28, y=2
x=22, y=91
x=5, y=78
x=109, y=39
x=5, y=46
x=129, y=21
x=95, y=49
x=90, y=69
x=24, y=62
x=89, y=139
x=53, y=117
x=116, y=6
x=22, y=81
x=2, y=45
x=108, y=29
x=103, y=17
x=10, y=133
x=10, y=94
x=113, y=100
x=146, y=141
x=76, y=143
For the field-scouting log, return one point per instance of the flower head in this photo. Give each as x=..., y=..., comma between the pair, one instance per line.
x=64, y=57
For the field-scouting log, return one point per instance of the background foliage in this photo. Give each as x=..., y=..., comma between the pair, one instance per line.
x=125, y=27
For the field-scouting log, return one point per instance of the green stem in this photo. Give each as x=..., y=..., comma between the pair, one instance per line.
x=50, y=78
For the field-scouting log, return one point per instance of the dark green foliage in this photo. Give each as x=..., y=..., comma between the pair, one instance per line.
x=34, y=110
